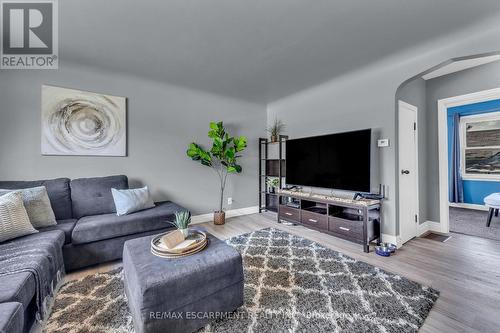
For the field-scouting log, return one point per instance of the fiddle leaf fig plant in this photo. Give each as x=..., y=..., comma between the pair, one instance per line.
x=222, y=156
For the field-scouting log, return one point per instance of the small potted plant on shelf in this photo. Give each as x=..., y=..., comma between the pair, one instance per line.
x=182, y=221
x=273, y=183
x=223, y=157
x=276, y=129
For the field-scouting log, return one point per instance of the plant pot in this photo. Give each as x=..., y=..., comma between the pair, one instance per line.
x=272, y=190
x=219, y=218
x=274, y=138
x=185, y=232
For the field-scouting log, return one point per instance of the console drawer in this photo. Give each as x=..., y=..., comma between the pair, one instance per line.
x=314, y=220
x=289, y=213
x=349, y=229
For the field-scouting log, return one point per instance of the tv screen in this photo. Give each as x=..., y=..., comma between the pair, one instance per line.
x=337, y=161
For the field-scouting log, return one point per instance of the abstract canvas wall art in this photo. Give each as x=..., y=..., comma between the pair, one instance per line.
x=76, y=122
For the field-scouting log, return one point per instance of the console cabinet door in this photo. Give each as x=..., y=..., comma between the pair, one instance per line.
x=314, y=220
x=289, y=213
x=350, y=229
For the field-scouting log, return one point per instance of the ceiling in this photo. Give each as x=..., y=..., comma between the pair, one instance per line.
x=460, y=65
x=260, y=50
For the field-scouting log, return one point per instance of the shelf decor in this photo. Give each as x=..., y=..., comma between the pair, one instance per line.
x=271, y=171
x=275, y=130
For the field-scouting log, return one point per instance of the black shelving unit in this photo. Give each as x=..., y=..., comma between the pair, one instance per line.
x=270, y=167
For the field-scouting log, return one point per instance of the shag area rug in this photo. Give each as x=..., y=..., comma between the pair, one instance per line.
x=291, y=285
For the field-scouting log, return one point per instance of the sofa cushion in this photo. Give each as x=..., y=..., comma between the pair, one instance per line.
x=11, y=317
x=133, y=200
x=41, y=255
x=57, y=189
x=18, y=287
x=64, y=225
x=92, y=196
x=37, y=204
x=14, y=220
x=52, y=236
x=94, y=228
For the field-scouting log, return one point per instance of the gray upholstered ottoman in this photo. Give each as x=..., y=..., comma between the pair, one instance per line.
x=183, y=294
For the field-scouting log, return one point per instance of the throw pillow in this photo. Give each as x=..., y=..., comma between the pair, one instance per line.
x=37, y=204
x=14, y=220
x=129, y=201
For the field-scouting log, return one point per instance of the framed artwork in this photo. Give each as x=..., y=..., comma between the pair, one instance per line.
x=76, y=122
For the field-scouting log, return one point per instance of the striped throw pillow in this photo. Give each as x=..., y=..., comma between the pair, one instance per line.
x=14, y=220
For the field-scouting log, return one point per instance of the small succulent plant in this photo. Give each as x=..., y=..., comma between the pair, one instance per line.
x=182, y=219
x=276, y=129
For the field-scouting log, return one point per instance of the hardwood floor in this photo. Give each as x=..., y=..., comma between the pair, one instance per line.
x=465, y=269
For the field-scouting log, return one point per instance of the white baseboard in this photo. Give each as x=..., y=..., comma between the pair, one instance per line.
x=422, y=229
x=468, y=206
x=391, y=239
x=229, y=213
x=429, y=226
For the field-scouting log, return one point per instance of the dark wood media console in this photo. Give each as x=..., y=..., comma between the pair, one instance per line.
x=354, y=220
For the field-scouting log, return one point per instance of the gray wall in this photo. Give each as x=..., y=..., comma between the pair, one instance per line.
x=414, y=93
x=366, y=98
x=338, y=107
x=162, y=121
x=468, y=81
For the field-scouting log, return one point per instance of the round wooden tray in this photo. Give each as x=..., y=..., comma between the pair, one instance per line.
x=158, y=249
x=179, y=255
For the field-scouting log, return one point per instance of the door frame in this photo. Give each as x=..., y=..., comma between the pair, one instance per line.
x=413, y=108
x=443, y=105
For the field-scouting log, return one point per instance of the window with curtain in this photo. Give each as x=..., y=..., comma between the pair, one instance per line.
x=480, y=146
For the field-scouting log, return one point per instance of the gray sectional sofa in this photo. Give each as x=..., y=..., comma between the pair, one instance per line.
x=88, y=232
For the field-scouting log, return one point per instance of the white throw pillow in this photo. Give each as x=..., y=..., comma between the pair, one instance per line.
x=14, y=220
x=37, y=204
x=129, y=201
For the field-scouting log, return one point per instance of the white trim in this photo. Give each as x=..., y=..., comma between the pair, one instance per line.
x=480, y=117
x=482, y=178
x=427, y=226
x=468, y=206
x=434, y=226
x=475, y=118
x=422, y=228
x=443, y=105
x=392, y=239
x=460, y=65
x=417, y=201
x=230, y=213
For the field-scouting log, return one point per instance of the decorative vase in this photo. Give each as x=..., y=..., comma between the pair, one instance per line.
x=219, y=217
x=274, y=138
x=185, y=232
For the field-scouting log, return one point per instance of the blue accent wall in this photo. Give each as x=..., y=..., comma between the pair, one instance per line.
x=474, y=190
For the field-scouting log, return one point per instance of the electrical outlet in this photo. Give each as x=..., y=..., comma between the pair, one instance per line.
x=229, y=201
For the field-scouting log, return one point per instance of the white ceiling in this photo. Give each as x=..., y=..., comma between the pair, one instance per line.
x=259, y=50
x=460, y=65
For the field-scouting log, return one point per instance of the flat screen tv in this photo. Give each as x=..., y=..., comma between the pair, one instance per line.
x=336, y=161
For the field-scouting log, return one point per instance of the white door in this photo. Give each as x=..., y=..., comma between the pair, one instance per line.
x=408, y=171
